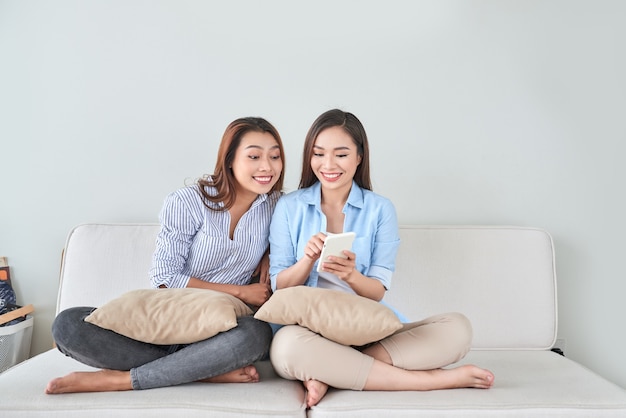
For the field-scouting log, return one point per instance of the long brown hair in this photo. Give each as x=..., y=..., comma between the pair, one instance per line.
x=223, y=178
x=353, y=127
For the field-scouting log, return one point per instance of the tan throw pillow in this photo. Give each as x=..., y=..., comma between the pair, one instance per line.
x=170, y=316
x=342, y=317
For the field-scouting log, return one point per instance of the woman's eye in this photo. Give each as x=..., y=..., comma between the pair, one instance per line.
x=316, y=154
x=253, y=157
x=275, y=157
x=342, y=155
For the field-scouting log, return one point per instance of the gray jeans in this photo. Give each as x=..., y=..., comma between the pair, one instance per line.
x=153, y=366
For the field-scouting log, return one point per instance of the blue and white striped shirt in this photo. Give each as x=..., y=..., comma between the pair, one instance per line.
x=194, y=241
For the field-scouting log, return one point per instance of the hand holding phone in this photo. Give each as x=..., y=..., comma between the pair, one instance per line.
x=334, y=245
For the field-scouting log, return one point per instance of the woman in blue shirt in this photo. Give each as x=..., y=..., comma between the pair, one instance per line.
x=335, y=196
x=214, y=235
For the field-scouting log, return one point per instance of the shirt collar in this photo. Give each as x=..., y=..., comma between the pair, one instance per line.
x=312, y=195
x=259, y=199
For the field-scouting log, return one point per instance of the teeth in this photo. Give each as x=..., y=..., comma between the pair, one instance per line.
x=331, y=176
x=263, y=178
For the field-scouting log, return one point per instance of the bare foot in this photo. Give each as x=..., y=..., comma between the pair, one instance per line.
x=466, y=376
x=100, y=381
x=247, y=374
x=384, y=376
x=315, y=391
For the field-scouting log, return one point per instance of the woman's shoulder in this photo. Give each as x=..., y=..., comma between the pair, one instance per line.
x=191, y=196
x=296, y=197
x=371, y=197
x=187, y=193
x=273, y=197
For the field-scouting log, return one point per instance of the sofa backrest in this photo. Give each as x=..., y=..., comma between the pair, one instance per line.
x=102, y=261
x=502, y=278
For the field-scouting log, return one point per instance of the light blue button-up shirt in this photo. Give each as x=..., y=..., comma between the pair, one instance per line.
x=298, y=216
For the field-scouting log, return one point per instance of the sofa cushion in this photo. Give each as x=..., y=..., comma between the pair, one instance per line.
x=170, y=316
x=22, y=393
x=528, y=383
x=342, y=317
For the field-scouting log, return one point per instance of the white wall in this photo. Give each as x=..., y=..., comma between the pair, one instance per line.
x=478, y=112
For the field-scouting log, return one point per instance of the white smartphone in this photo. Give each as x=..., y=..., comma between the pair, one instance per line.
x=334, y=245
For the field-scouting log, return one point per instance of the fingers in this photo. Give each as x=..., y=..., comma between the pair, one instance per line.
x=258, y=293
x=313, y=248
x=266, y=290
x=341, y=267
x=265, y=278
x=348, y=262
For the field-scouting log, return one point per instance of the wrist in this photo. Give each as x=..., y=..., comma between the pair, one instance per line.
x=353, y=277
x=236, y=291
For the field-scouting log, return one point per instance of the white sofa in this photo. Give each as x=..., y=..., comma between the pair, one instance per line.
x=502, y=278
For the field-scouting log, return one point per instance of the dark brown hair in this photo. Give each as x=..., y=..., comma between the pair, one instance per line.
x=223, y=178
x=353, y=127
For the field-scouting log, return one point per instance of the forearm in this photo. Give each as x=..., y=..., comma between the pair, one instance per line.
x=295, y=275
x=366, y=286
x=231, y=289
x=255, y=294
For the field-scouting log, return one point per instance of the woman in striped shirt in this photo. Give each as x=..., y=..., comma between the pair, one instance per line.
x=214, y=235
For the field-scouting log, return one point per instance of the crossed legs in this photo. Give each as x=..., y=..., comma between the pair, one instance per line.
x=411, y=359
x=129, y=364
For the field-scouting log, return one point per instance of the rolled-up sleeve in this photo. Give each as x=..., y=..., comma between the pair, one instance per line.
x=385, y=246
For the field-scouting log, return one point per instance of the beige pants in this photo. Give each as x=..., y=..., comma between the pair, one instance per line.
x=300, y=354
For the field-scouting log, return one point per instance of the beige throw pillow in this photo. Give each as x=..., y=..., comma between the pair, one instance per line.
x=342, y=317
x=170, y=316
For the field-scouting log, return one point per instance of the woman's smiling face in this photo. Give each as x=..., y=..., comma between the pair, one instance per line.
x=335, y=158
x=257, y=164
